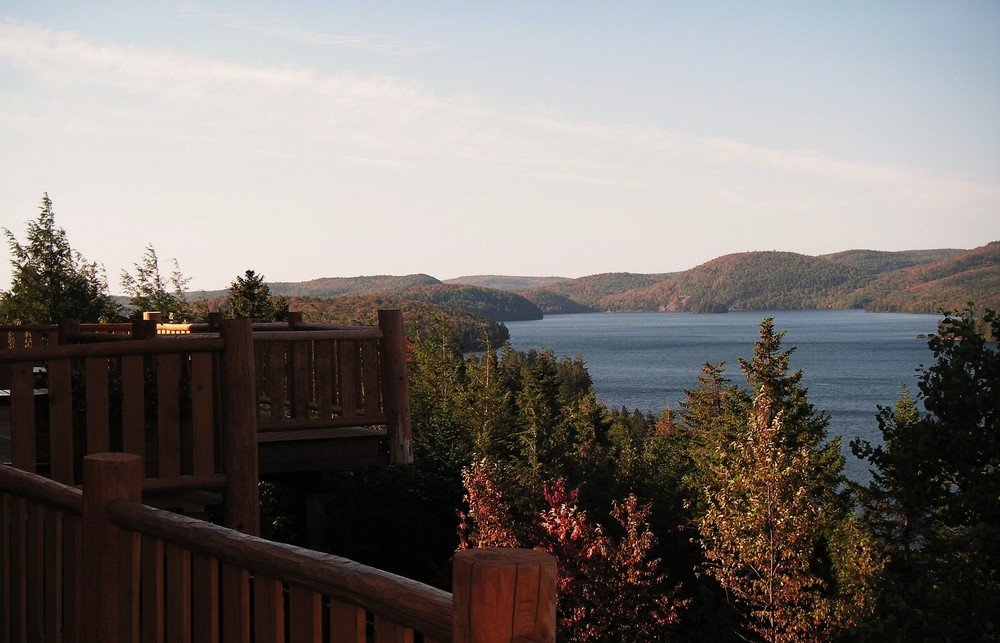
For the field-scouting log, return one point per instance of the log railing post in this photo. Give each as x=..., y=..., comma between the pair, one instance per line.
x=67, y=328
x=111, y=555
x=144, y=329
x=504, y=596
x=239, y=427
x=394, y=386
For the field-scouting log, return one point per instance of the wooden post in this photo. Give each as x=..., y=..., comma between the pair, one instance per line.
x=295, y=318
x=239, y=428
x=394, y=383
x=504, y=596
x=67, y=327
x=144, y=329
x=111, y=555
x=153, y=316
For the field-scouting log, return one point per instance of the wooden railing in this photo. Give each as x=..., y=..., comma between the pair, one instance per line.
x=308, y=376
x=321, y=381
x=184, y=404
x=97, y=565
x=209, y=406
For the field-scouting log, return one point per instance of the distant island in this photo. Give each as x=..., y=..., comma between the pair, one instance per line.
x=917, y=281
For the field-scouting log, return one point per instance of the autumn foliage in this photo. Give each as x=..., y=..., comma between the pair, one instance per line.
x=610, y=588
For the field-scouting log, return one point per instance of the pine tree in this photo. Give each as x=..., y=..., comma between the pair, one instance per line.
x=51, y=281
x=148, y=289
x=934, y=498
x=772, y=506
x=250, y=298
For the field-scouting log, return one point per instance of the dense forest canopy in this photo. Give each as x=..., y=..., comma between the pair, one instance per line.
x=727, y=519
x=924, y=281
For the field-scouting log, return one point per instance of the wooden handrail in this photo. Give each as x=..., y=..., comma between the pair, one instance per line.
x=41, y=490
x=136, y=570
x=293, y=377
x=181, y=344
x=361, y=333
x=419, y=606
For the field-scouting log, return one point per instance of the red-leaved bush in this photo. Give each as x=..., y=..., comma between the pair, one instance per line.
x=609, y=588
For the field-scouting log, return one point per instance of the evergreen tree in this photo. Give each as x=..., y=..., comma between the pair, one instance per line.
x=711, y=416
x=490, y=404
x=934, y=498
x=439, y=401
x=539, y=408
x=51, y=281
x=771, y=507
x=148, y=289
x=250, y=298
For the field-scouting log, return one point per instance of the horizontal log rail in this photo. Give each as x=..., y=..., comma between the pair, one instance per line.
x=41, y=490
x=112, y=349
x=413, y=605
x=97, y=565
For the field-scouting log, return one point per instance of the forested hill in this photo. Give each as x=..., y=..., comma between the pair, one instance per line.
x=341, y=286
x=505, y=282
x=493, y=304
x=908, y=281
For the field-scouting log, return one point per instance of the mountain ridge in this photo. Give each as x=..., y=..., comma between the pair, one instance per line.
x=904, y=281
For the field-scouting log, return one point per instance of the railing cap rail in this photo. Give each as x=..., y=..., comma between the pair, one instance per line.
x=424, y=608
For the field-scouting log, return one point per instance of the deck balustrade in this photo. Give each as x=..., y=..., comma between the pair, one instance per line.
x=94, y=564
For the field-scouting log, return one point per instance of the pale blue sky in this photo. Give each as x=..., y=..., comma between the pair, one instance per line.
x=312, y=139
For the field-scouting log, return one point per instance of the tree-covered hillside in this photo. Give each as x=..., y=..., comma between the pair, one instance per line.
x=947, y=284
x=752, y=280
x=496, y=305
x=505, y=282
x=339, y=286
x=877, y=262
x=908, y=281
x=553, y=303
x=471, y=332
x=589, y=291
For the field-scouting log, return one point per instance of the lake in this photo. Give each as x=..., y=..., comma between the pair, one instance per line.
x=852, y=361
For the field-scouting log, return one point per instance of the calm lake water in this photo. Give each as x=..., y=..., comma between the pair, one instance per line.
x=851, y=360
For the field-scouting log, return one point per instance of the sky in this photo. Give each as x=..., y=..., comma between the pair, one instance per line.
x=345, y=138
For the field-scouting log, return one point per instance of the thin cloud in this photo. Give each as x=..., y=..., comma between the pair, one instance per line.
x=367, y=42
x=288, y=112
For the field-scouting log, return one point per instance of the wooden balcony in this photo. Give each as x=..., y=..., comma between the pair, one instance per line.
x=210, y=408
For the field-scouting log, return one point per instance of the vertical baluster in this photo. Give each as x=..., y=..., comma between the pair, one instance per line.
x=98, y=430
x=202, y=414
x=63, y=457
